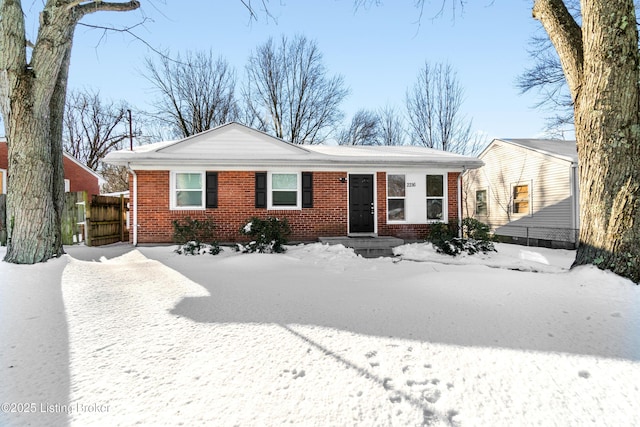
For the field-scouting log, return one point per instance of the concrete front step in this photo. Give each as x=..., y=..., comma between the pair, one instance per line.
x=367, y=247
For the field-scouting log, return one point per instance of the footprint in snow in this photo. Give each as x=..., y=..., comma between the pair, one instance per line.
x=295, y=373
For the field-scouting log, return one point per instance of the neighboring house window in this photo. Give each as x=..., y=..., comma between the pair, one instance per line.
x=396, y=197
x=521, y=198
x=67, y=186
x=188, y=190
x=481, y=202
x=435, y=197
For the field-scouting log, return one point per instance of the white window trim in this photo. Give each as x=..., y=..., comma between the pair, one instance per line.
x=397, y=221
x=298, y=205
x=444, y=198
x=512, y=201
x=475, y=201
x=173, y=190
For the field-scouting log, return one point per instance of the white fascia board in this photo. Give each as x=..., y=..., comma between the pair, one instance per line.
x=311, y=166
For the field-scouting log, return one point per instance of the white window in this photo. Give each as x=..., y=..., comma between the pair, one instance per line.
x=436, y=202
x=187, y=190
x=481, y=202
x=396, y=198
x=284, y=189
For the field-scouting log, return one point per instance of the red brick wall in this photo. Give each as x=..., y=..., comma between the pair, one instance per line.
x=79, y=178
x=4, y=156
x=236, y=200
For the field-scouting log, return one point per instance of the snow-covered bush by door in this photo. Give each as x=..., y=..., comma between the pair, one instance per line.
x=268, y=235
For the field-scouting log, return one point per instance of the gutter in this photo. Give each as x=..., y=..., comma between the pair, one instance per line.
x=329, y=165
x=134, y=221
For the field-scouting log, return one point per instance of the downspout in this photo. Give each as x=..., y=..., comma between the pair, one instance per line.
x=135, y=205
x=460, y=201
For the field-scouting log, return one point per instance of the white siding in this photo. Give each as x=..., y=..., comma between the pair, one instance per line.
x=231, y=142
x=549, y=180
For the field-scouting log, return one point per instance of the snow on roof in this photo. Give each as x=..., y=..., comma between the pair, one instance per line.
x=234, y=144
x=562, y=149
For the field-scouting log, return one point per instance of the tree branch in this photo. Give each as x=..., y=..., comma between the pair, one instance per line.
x=99, y=6
x=566, y=36
x=129, y=31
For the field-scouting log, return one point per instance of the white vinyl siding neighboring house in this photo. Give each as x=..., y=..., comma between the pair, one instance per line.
x=527, y=191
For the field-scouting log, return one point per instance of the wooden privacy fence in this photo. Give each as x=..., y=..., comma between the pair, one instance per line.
x=98, y=221
x=106, y=220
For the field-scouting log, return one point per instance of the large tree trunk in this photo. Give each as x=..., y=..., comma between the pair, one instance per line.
x=601, y=63
x=32, y=95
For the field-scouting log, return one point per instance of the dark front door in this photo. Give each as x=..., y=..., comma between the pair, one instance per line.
x=361, y=208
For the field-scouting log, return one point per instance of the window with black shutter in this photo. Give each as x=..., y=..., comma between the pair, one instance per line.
x=261, y=190
x=212, y=189
x=307, y=190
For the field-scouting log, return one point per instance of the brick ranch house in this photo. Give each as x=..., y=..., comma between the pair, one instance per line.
x=77, y=177
x=232, y=172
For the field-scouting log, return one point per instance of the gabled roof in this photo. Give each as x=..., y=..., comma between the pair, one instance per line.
x=558, y=148
x=234, y=144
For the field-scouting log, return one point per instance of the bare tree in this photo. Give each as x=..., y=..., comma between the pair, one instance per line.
x=363, y=130
x=93, y=127
x=116, y=178
x=392, y=131
x=289, y=94
x=434, y=109
x=546, y=78
x=32, y=98
x=195, y=93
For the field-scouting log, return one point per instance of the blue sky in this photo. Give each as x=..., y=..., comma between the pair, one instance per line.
x=378, y=50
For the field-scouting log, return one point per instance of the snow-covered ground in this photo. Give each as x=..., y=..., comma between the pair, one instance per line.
x=317, y=337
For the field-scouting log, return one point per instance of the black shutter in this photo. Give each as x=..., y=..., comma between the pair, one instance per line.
x=261, y=190
x=212, y=189
x=307, y=189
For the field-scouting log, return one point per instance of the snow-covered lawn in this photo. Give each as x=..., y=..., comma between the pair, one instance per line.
x=318, y=337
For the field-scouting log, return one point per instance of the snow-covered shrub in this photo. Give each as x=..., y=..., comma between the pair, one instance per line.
x=475, y=229
x=440, y=231
x=458, y=245
x=268, y=235
x=197, y=248
x=191, y=234
x=443, y=238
